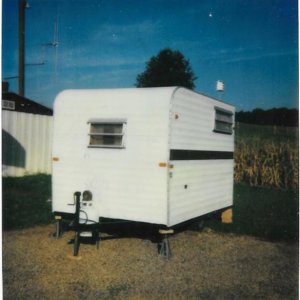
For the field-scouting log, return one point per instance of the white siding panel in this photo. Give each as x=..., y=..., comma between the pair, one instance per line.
x=193, y=129
x=27, y=143
x=209, y=187
x=126, y=183
x=198, y=187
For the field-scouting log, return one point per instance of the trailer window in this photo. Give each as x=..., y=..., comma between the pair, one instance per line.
x=106, y=134
x=223, y=121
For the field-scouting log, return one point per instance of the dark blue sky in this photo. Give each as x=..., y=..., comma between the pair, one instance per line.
x=252, y=45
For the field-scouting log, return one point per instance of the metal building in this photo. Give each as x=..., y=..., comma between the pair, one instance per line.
x=26, y=135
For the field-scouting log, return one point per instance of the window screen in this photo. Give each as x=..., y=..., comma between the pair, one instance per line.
x=223, y=121
x=106, y=134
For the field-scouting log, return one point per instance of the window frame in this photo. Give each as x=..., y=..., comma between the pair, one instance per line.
x=122, y=122
x=227, y=113
x=8, y=104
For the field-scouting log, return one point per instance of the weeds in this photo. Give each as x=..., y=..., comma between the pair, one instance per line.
x=268, y=165
x=269, y=160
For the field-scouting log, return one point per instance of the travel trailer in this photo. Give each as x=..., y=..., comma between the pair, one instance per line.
x=156, y=155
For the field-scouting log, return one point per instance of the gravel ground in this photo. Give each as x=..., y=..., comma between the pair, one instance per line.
x=207, y=265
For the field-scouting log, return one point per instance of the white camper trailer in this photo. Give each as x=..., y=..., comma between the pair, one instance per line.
x=155, y=155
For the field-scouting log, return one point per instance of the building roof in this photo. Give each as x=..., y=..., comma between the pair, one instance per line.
x=14, y=102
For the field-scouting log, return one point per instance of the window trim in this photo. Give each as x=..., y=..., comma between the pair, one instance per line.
x=216, y=120
x=95, y=121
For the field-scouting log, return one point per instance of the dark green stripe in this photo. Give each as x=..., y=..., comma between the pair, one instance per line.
x=199, y=155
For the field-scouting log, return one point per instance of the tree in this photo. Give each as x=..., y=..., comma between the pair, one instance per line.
x=274, y=117
x=167, y=68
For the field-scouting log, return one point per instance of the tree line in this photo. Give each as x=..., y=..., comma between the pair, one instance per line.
x=275, y=117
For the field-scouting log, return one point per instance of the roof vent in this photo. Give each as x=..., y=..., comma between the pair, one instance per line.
x=220, y=86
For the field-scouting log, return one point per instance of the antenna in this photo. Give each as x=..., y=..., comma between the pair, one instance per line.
x=55, y=33
x=21, y=66
x=55, y=41
x=54, y=44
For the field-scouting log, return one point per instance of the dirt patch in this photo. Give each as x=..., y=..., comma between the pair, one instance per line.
x=205, y=265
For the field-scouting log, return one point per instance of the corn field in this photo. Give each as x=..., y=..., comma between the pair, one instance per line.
x=270, y=162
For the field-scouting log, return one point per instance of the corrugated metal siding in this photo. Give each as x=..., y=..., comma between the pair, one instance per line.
x=27, y=142
x=199, y=187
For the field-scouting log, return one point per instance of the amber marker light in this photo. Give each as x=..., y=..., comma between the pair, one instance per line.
x=163, y=164
x=55, y=158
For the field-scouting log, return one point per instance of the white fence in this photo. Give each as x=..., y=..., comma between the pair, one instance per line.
x=26, y=143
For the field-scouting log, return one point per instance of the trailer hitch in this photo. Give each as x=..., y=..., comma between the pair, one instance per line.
x=82, y=230
x=77, y=196
x=77, y=208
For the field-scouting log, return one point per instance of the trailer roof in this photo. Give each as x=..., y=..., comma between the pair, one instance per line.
x=169, y=90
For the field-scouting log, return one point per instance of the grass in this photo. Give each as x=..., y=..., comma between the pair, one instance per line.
x=262, y=212
x=266, y=213
x=24, y=201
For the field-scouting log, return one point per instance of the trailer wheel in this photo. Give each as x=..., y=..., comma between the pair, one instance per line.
x=76, y=243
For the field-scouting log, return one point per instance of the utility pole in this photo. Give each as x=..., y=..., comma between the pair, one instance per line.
x=22, y=6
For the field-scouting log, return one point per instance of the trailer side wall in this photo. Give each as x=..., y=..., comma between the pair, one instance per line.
x=201, y=180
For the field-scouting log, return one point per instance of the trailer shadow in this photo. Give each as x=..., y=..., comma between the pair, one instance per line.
x=117, y=229
x=13, y=153
x=110, y=229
